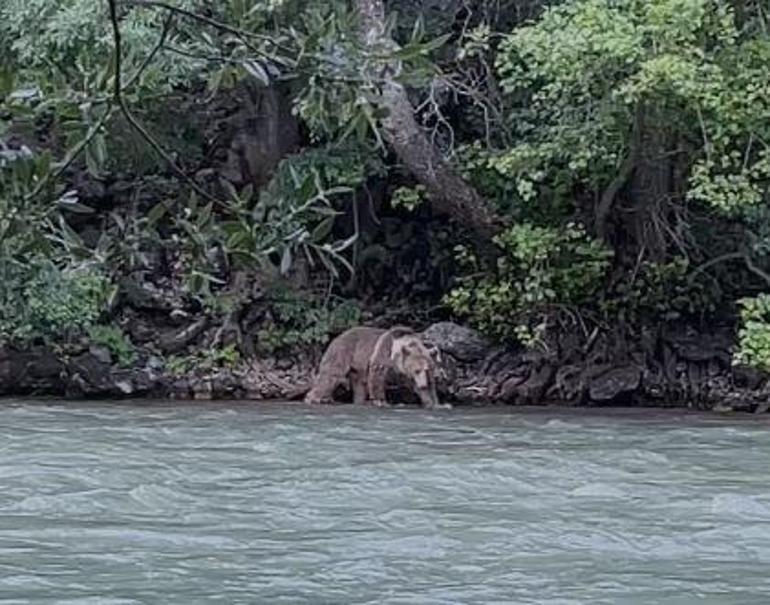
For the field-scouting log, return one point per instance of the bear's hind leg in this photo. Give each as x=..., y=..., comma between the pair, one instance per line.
x=323, y=389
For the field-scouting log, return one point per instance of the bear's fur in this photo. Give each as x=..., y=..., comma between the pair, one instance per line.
x=401, y=352
x=363, y=358
x=345, y=362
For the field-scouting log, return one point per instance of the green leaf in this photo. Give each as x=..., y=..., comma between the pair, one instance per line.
x=286, y=260
x=157, y=212
x=322, y=230
x=257, y=71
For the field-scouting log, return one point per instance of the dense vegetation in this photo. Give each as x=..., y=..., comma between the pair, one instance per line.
x=272, y=172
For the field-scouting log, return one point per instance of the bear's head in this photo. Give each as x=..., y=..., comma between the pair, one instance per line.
x=412, y=359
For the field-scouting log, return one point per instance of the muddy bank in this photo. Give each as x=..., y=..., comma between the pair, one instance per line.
x=682, y=369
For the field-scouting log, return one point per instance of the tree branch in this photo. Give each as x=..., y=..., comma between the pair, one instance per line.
x=754, y=269
x=744, y=256
x=449, y=192
x=121, y=103
x=75, y=152
x=241, y=34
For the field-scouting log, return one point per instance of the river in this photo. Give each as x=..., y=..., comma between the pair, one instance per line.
x=236, y=503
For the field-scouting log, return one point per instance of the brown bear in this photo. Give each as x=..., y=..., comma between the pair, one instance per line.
x=400, y=352
x=364, y=357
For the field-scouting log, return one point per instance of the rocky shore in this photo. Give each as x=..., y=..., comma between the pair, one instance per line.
x=678, y=369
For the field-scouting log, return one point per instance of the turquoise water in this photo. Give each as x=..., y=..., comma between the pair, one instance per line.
x=143, y=503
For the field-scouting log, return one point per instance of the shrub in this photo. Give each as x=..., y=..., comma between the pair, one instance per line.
x=661, y=292
x=540, y=268
x=208, y=360
x=42, y=301
x=116, y=342
x=754, y=333
x=303, y=320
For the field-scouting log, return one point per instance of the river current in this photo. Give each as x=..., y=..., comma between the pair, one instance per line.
x=229, y=503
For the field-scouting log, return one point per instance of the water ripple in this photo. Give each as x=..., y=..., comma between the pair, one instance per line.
x=137, y=503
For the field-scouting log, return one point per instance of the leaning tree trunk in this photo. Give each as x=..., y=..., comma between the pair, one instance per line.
x=449, y=192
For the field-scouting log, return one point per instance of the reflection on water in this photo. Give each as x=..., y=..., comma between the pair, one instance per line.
x=109, y=503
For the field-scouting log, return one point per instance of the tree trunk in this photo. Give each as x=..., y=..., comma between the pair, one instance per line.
x=650, y=192
x=449, y=192
x=634, y=211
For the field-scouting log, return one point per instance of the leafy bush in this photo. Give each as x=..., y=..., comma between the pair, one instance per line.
x=68, y=40
x=298, y=319
x=754, y=333
x=206, y=360
x=115, y=341
x=293, y=216
x=45, y=302
x=44, y=293
x=408, y=197
x=540, y=268
x=660, y=292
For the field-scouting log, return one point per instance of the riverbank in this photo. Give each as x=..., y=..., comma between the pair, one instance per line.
x=685, y=369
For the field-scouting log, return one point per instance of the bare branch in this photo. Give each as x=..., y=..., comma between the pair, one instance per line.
x=121, y=102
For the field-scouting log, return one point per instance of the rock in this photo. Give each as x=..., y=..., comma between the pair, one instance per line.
x=723, y=407
x=508, y=389
x=261, y=132
x=615, y=382
x=180, y=389
x=143, y=296
x=177, y=340
x=88, y=376
x=464, y=344
x=748, y=377
x=203, y=390
x=701, y=347
x=101, y=353
x=264, y=380
x=125, y=387
x=139, y=329
x=533, y=389
x=38, y=371
x=569, y=383
x=155, y=363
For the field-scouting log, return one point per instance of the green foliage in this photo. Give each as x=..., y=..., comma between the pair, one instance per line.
x=540, y=268
x=343, y=166
x=581, y=87
x=207, y=360
x=115, y=341
x=658, y=292
x=64, y=43
x=44, y=294
x=754, y=333
x=44, y=302
x=341, y=80
x=298, y=319
x=408, y=197
x=585, y=71
x=293, y=216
